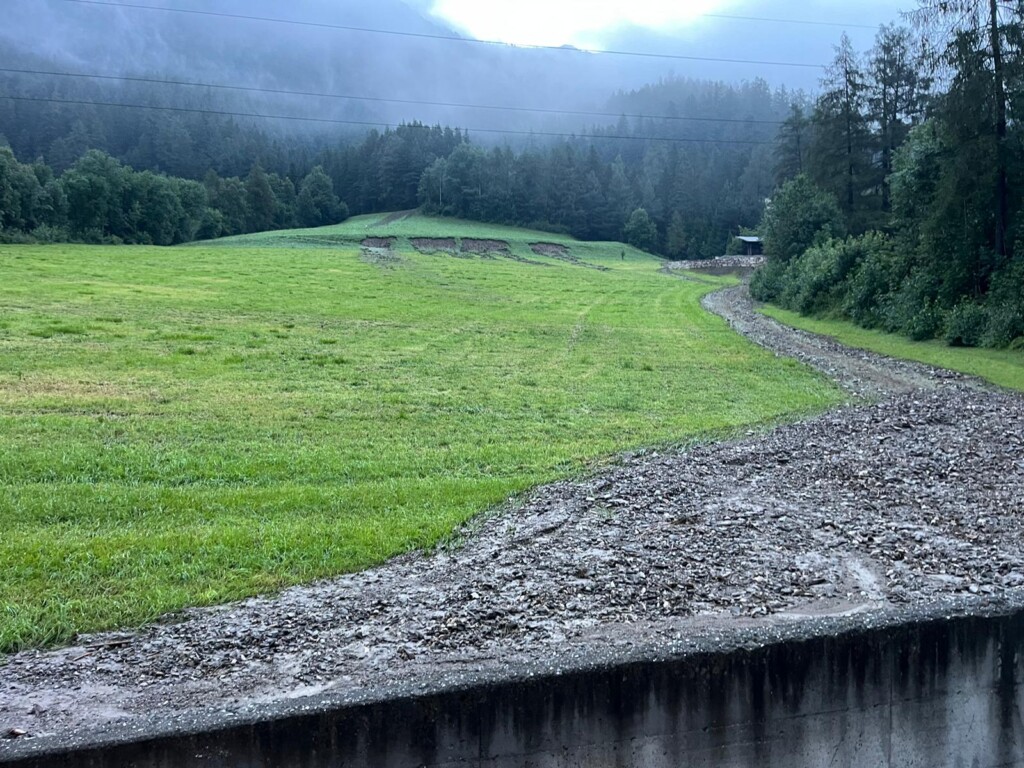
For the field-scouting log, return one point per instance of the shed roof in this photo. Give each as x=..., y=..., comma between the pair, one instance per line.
x=748, y=239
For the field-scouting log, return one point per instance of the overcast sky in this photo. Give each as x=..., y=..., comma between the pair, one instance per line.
x=591, y=23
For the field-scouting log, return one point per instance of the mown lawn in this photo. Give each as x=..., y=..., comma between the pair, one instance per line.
x=1002, y=367
x=192, y=425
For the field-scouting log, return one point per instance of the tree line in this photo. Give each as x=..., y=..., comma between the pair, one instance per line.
x=678, y=187
x=100, y=200
x=900, y=204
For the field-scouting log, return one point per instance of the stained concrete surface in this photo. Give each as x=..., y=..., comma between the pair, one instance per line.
x=924, y=694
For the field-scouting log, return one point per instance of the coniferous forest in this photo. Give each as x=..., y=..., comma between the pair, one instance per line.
x=900, y=202
x=95, y=174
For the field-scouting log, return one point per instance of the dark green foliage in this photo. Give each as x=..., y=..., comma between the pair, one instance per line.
x=260, y=203
x=966, y=324
x=24, y=202
x=799, y=216
x=95, y=187
x=816, y=281
x=944, y=189
x=879, y=272
x=1005, y=303
x=640, y=231
x=911, y=307
x=317, y=203
x=791, y=145
x=840, y=160
x=769, y=281
x=676, y=238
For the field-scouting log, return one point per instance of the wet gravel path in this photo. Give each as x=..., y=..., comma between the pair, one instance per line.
x=914, y=496
x=863, y=374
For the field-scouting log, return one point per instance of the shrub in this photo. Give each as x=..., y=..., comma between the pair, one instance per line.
x=965, y=324
x=1005, y=324
x=822, y=279
x=875, y=277
x=767, y=283
x=1005, y=303
x=45, y=233
x=912, y=309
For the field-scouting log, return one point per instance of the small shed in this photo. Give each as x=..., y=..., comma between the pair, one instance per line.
x=753, y=246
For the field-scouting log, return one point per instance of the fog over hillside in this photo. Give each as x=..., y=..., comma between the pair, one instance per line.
x=94, y=38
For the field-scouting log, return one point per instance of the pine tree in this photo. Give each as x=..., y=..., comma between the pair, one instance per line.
x=260, y=201
x=896, y=92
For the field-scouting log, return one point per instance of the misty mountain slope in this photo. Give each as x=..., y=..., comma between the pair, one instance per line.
x=100, y=39
x=57, y=34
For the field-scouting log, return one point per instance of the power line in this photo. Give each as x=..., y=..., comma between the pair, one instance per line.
x=454, y=38
x=280, y=91
x=370, y=124
x=805, y=22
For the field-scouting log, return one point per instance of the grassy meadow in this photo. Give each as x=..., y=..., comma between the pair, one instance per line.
x=186, y=426
x=1000, y=366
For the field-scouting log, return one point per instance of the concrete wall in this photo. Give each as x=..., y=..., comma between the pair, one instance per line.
x=930, y=694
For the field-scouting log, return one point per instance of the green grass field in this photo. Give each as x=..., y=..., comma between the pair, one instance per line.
x=1002, y=367
x=405, y=225
x=186, y=426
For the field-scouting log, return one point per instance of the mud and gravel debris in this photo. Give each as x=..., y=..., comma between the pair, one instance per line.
x=485, y=247
x=864, y=374
x=554, y=250
x=914, y=498
x=380, y=252
x=722, y=262
x=430, y=245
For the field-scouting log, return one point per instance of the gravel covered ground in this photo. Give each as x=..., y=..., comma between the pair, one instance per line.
x=913, y=496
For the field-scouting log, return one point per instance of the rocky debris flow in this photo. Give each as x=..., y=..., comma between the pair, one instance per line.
x=722, y=262
x=862, y=373
x=446, y=245
x=905, y=501
x=484, y=247
x=380, y=251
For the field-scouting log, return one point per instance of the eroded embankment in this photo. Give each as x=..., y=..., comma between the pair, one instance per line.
x=884, y=507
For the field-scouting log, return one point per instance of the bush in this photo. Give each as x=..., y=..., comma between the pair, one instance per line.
x=1005, y=303
x=15, y=237
x=911, y=309
x=816, y=282
x=823, y=277
x=46, y=233
x=809, y=280
x=1005, y=324
x=768, y=281
x=966, y=324
x=877, y=274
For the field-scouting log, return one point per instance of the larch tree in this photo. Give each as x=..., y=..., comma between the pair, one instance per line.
x=896, y=93
x=951, y=28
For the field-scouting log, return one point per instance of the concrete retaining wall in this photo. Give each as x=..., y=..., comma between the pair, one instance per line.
x=930, y=694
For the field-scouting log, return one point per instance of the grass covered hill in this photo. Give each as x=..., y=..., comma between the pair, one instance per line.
x=186, y=426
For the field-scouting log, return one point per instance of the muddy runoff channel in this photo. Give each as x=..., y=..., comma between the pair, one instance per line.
x=846, y=590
